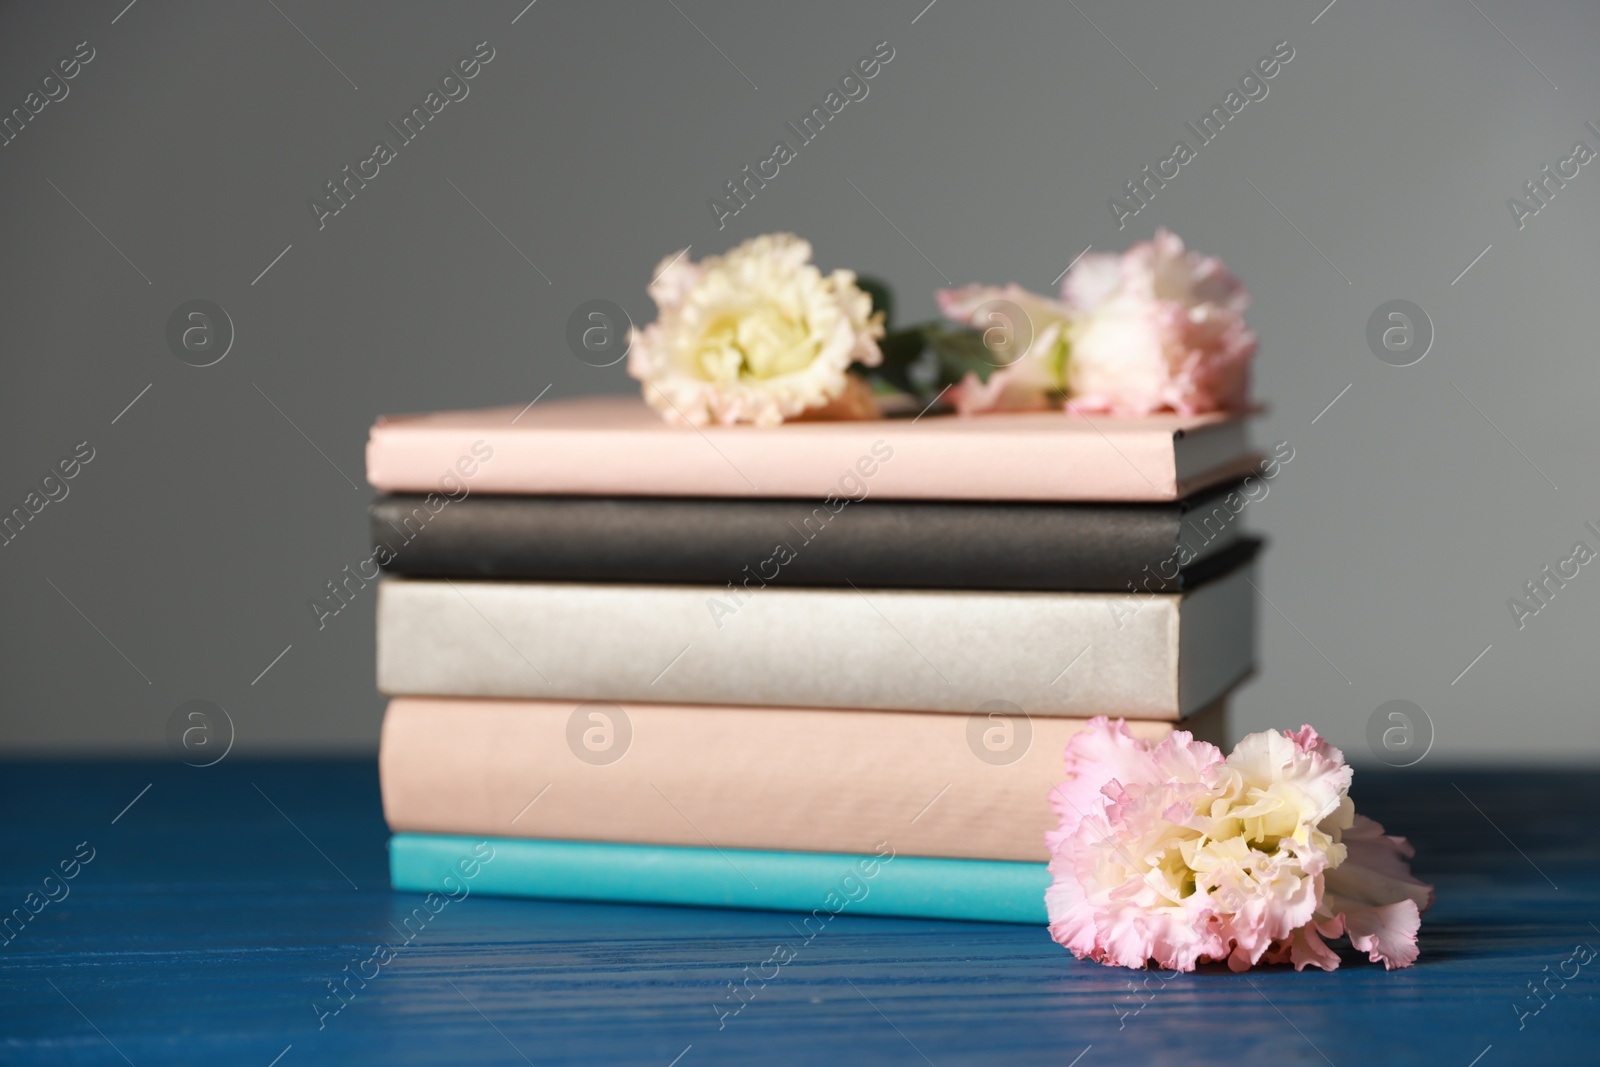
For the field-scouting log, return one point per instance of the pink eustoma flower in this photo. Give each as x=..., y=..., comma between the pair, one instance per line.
x=1157, y=328
x=1170, y=853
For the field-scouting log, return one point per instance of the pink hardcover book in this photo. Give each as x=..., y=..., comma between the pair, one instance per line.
x=799, y=779
x=616, y=446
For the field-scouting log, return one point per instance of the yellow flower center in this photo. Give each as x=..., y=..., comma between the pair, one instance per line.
x=759, y=343
x=1243, y=834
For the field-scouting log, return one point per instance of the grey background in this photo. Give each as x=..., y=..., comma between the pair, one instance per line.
x=993, y=141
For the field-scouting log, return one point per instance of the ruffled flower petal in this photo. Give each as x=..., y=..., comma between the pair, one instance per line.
x=1169, y=853
x=1375, y=896
x=1092, y=280
x=1169, y=334
x=757, y=335
x=1032, y=380
x=1158, y=328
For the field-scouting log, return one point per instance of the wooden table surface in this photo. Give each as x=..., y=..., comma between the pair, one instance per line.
x=219, y=905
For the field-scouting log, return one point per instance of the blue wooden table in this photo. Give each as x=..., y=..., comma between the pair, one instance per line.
x=218, y=905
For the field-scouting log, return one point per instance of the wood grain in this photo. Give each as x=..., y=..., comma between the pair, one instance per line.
x=219, y=905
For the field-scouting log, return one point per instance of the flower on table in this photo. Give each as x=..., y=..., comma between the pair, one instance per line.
x=757, y=335
x=1158, y=328
x=1171, y=852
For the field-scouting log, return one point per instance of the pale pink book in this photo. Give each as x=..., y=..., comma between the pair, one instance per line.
x=802, y=779
x=617, y=446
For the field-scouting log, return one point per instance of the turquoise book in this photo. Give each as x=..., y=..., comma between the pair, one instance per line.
x=880, y=883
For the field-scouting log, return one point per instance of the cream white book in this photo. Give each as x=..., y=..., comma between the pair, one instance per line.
x=1152, y=656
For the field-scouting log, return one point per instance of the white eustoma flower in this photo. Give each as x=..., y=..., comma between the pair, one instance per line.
x=757, y=335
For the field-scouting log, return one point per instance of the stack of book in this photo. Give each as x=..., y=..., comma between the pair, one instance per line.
x=821, y=667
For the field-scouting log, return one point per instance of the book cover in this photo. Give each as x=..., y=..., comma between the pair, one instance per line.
x=616, y=446
x=819, y=885
x=793, y=779
x=1076, y=547
x=1146, y=656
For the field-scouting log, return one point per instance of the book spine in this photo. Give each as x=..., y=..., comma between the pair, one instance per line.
x=819, y=884
x=888, y=544
x=764, y=645
x=790, y=779
x=810, y=464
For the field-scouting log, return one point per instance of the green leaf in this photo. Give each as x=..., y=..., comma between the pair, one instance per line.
x=921, y=360
x=882, y=298
x=900, y=351
x=960, y=352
